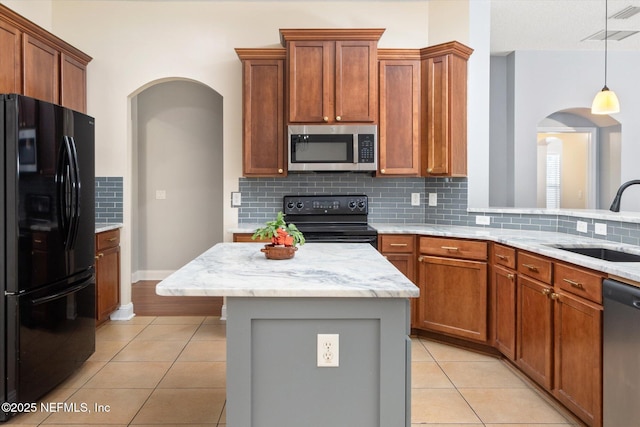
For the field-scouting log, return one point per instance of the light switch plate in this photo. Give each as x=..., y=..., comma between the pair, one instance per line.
x=236, y=199
x=433, y=199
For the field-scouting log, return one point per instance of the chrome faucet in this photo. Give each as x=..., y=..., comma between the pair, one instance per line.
x=615, y=206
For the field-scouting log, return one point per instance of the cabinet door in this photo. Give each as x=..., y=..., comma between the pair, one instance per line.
x=264, y=144
x=578, y=357
x=534, y=335
x=356, y=81
x=40, y=70
x=399, y=135
x=504, y=310
x=107, y=282
x=73, y=79
x=10, y=80
x=453, y=297
x=311, y=81
x=437, y=110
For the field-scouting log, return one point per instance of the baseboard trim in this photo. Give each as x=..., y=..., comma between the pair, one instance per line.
x=150, y=275
x=124, y=312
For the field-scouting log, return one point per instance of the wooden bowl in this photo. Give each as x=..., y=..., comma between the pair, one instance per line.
x=279, y=252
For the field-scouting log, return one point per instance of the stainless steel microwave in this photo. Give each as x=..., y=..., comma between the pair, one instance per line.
x=333, y=148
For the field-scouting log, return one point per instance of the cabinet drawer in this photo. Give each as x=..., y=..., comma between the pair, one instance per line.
x=397, y=243
x=504, y=255
x=578, y=281
x=535, y=267
x=107, y=239
x=453, y=248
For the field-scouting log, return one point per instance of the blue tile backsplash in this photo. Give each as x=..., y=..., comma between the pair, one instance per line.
x=390, y=202
x=109, y=198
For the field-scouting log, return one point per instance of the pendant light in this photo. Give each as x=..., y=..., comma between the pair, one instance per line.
x=606, y=101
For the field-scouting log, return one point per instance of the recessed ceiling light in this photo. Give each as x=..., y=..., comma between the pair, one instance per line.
x=615, y=35
x=626, y=13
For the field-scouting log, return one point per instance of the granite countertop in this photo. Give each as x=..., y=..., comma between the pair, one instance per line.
x=103, y=226
x=540, y=242
x=317, y=270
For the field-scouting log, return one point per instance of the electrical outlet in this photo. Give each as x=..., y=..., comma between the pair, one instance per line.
x=433, y=199
x=483, y=220
x=415, y=199
x=581, y=226
x=328, y=350
x=601, y=229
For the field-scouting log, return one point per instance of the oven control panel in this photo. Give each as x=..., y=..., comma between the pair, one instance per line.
x=326, y=205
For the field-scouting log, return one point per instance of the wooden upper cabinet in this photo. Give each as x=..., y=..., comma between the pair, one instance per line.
x=444, y=99
x=332, y=75
x=40, y=69
x=264, y=144
x=36, y=63
x=11, y=58
x=399, y=129
x=73, y=83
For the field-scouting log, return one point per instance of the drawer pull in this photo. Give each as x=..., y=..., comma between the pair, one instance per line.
x=113, y=239
x=37, y=241
x=399, y=244
x=449, y=248
x=530, y=267
x=502, y=257
x=577, y=285
x=510, y=276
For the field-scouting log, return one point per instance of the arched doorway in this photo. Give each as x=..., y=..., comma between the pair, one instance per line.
x=177, y=176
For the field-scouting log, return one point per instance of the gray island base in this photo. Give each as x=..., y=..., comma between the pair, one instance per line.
x=275, y=311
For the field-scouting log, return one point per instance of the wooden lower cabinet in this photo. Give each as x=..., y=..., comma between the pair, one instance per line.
x=107, y=274
x=535, y=330
x=400, y=250
x=503, y=282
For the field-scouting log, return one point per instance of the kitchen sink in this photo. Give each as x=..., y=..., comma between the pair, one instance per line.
x=602, y=253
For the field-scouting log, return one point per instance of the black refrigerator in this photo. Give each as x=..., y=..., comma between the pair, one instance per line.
x=47, y=213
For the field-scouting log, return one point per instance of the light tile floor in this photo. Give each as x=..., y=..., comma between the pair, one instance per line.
x=170, y=371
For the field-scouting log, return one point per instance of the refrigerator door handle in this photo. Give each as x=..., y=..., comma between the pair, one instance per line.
x=62, y=294
x=76, y=191
x=67, y=195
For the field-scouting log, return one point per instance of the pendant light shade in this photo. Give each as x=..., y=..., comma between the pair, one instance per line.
x=606, y=101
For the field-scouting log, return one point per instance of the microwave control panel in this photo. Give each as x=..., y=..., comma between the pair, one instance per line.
x=366, y=148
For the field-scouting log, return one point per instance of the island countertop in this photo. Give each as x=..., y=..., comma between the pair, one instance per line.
x=317, y=270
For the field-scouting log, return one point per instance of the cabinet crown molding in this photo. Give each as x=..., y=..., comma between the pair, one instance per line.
x=453, y=47
x=330, y=34
x=261, y=53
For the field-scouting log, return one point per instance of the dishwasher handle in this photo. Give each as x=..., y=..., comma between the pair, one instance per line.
x=621, y=292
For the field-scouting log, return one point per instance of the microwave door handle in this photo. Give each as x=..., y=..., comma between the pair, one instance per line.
x=356, y=148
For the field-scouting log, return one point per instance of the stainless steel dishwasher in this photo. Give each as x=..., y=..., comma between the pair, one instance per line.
x=621, y=354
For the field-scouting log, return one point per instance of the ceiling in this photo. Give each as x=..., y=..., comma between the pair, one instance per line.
x=559, y=25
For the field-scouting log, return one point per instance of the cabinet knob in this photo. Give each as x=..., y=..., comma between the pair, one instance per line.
x=554, y=296
x=429, y=170
x=325, y=118
x=420, y=258
x=382, y=171
x=546, y=291
x=338, y=118
x=510, y=276
x=280, y=170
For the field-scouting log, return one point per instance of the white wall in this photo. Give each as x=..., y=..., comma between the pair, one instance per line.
x=546, y=82
x=38, y=12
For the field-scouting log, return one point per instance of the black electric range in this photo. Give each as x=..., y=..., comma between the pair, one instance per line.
x=331, y=218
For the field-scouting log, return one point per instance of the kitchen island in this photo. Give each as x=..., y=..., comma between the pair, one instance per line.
x=275, y=311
